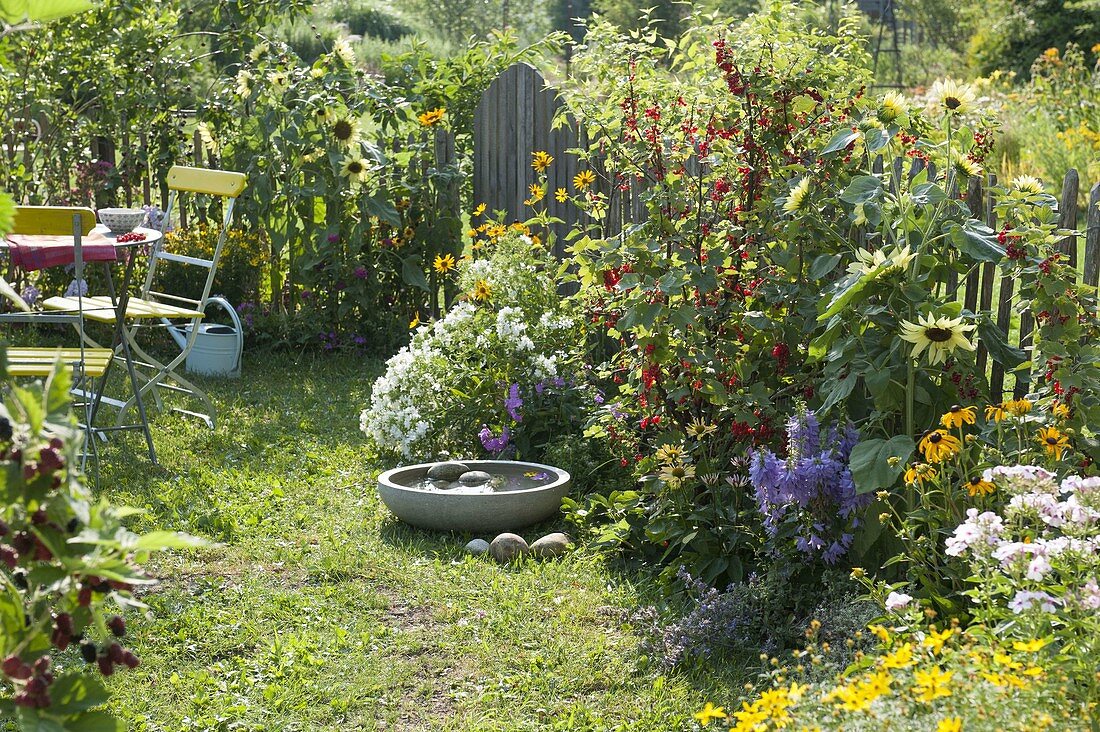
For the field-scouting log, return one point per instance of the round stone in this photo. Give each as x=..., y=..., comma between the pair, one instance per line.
x=507, y=547
x=446, y=471
x=551, y=545
x=477, y=547
x=474, y=477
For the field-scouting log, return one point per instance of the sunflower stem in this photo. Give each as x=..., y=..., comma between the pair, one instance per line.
x=910, y=429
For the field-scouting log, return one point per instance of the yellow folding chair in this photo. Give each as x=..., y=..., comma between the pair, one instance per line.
x=88, y=363
x=162, y=309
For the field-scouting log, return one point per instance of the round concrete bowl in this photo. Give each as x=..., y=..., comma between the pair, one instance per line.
x=482, y=512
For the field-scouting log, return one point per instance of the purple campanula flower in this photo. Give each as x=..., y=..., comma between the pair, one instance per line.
x=513, y=403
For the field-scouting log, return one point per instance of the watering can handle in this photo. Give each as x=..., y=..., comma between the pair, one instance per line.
x=237, y=327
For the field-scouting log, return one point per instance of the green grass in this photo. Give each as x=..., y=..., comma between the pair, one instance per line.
x=316, y=610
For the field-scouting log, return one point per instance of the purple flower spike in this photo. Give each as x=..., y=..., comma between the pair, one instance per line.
x=492, y=443
x=514, y=403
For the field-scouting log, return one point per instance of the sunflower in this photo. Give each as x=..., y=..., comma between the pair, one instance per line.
x=1018, y=407
x=957, y=416
x=280, y=80
x=443, y=263
x=881, y=261
x=700, y=429
x=919, y=473
x=345, y=130
x=893, y=105
x=355, y=168
x=1027, y=184
x=344, y=52
x=939, y=335
x=995, y=412
x=979, y=486
x=583, y=179
x=669, y=454
x=966, y=167
x=482, y=292
x=955, y=98
x=1053, y=441
x=675, y=474
x=541, y=161
x=432, y=117
x=797, y=196
x=939, y=445
x=479, y=210
x=561, y=195
x=244, y=83
x=322, y=114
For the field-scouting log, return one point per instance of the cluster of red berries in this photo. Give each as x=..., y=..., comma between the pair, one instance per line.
x=130, y=237
x=36, y=691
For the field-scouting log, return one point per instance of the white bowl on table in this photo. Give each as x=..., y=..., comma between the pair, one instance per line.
x=121, y=220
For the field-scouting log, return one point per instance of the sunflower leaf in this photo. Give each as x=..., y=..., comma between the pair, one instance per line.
x=976, y=240
x=998, y=346
x=871, y=460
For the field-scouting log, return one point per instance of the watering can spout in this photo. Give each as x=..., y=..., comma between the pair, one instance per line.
x=177, y=335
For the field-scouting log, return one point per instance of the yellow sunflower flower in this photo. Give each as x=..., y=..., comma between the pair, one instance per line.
x=1053, y=441
x=537, y=192
x=940, y=335
x=584, y=179
x=797, y=197
x=345, y=130
x=479, y=210
x=957, y=416
x=939, y=445
x=955, y=98
x=561, y=195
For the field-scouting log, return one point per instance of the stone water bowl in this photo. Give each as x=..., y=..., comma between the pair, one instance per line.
x=518, y=494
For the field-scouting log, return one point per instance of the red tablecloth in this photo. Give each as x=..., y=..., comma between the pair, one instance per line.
x=40, y=252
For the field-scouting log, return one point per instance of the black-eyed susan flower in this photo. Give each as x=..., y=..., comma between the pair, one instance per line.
x=432, y=117
x=939, y=335
x=1053, y=441
x=953, y=97
x=443, y=263
x=541, y=160
x=979, y=486
x=939, y=445
x=584, y=179
x=1060, y=410
x=482, y=291
x=919, y=474
x=995, y=412
x=1018, y=407
x=957, y=416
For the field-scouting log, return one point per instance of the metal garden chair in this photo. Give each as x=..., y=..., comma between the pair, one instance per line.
x=88, y=363
x=161, y=309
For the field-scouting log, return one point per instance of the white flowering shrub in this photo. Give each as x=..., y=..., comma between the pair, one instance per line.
x=1035, y=565
x=498, y=374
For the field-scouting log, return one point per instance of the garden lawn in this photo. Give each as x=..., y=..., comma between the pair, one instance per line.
x=316, y=610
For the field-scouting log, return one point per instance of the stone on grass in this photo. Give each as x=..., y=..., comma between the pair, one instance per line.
x=447, y=471
x=477, y=546
x=551, y=545
x=507, y=547
x=474, y=477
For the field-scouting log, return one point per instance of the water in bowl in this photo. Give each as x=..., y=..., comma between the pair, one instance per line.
x=498, y=483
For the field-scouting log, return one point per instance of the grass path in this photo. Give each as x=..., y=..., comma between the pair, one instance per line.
x=318, y=611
